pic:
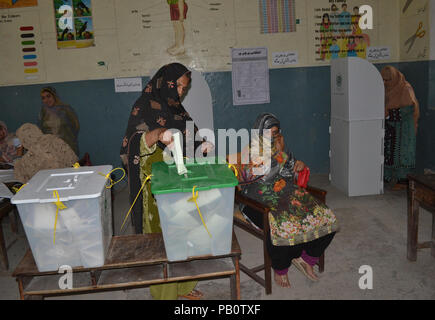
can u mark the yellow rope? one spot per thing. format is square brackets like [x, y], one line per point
[236, 172]
[59, 206]
[19, 189]
[108, 177]
[137, 196]
[193, 199]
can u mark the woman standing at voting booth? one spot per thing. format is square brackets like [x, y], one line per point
[402, 113]
[157, 110]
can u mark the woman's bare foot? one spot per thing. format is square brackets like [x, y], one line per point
[282, 281]
[193, 295]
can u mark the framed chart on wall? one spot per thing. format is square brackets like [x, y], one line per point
[74, 24]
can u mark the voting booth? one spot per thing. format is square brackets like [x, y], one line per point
[357, 127]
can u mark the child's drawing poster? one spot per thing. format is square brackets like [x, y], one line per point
[337, 31]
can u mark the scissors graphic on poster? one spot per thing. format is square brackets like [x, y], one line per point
[418, 34]
[408, 3]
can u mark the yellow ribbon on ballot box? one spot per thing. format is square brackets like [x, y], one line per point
[236, 172]
[59, 206]
[108, 177]
[194, 199]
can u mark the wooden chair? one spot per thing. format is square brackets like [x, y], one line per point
[241, 222]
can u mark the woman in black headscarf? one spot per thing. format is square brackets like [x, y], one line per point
[158, 109]
[300, 226]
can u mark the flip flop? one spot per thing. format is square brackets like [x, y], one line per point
[300, 265]
[193, 295]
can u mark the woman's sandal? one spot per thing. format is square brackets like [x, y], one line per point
[193, 295]
[301, 265]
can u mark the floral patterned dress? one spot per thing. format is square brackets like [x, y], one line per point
[296, 216]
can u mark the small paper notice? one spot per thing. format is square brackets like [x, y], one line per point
[284, 58]
[378, 53]
[128, 85]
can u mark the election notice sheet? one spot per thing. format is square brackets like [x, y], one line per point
[250, 76]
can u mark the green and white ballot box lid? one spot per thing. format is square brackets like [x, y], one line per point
[204, 175]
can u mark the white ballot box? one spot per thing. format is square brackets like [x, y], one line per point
[83, 230]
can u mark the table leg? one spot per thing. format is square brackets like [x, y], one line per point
[413, 207]
[433, 235]
[235, 281]
[3, 252]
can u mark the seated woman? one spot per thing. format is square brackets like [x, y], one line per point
[157, 110]
[301, 227]
[10, 146]
[58, 119]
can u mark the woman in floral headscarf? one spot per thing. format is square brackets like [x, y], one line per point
[402, 113]
[10, 146]
[154, 113]
[301, 228]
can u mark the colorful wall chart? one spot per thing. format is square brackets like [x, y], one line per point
[277, 16]
[337, 32]
[20, 31]
[10, 4]
[74, 23]
[30, 54]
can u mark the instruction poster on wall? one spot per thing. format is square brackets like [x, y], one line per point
[250, 76]
[74, 24]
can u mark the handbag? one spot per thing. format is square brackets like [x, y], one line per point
[303, 177]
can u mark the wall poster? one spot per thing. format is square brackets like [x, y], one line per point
[11, 4]
[337, 31]
[74, 23]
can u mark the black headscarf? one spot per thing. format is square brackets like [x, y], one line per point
[266, 121]
[159, 106]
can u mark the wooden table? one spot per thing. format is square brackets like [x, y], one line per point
[131, 262]
[421, 192]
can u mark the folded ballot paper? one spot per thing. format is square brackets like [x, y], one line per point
[178, 154]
